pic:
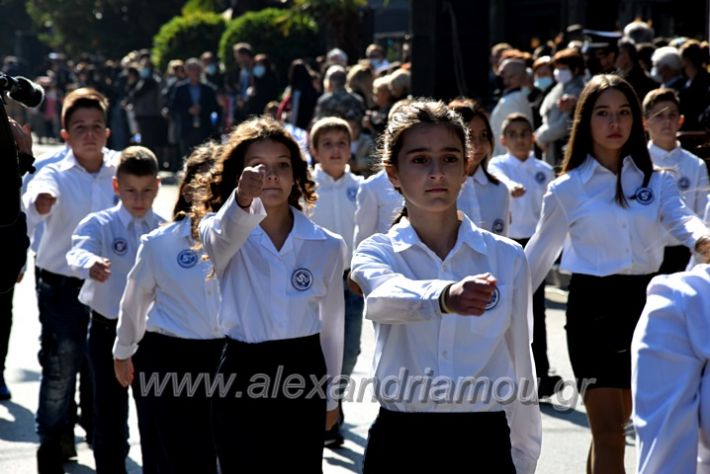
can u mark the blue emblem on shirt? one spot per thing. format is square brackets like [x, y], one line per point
[495, 299]
[120, 246]
[302, 279]
[187, 258]
[498, 226]
[644, 196]
[540, 177]
[352, 193]
[683, 183]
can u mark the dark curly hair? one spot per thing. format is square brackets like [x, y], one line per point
[222, 181]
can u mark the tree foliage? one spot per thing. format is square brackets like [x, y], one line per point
[107, 28]
[187, 36]
[280, 34]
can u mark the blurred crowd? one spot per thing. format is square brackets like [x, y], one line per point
[195, 99]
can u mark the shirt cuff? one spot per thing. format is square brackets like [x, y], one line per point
[233, 212]
[122, 352]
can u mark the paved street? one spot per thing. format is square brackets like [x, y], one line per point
[565, 433]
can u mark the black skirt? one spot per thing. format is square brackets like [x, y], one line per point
[406, 442]
[272, 417]
[602, 313]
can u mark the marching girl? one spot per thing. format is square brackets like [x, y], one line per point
[168, 325]
[282, 304]
[449, 301]
[610, 206]
[484, 198]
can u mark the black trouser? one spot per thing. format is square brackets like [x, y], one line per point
[5, 325]
[110, 399]
[539, 344]
[675, 259]
[404, 442]
[177, 421]
[248, 417]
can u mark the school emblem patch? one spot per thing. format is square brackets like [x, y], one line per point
[352, 193]
[644, 196]
[120, 246]
[540, 177]
[498, 226]
[302, 279]
[495, 299]
[683, 183]
[187, 258]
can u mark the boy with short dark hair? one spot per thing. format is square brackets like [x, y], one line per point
[60, 195]
[104, 247]
[520, 166]
[662, 119]
[335, 210]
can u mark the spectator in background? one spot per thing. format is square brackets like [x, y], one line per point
[244, 56]
[376, 119]
[359, 81]
[337, 101]
[212, 73]
[668, 68]
[558, 106]
[542, 83]
[264, 87]
[193, 106]
[645, 52]
[514, 99]
[628, 67]
[694, 96]
[145, 101]
[300, 96]
[336, 57]
[376, 55]
[638, 32]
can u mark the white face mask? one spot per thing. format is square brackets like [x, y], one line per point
[562, 76]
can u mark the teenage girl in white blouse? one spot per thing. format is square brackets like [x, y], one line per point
[609, 210]
[450, 303]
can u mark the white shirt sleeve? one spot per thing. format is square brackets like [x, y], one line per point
[44, 182]
[680, 221]
[135, 303]
[332, 316]
[390, 297]
[224, 233]
[703, 191]
[365, 215]
[86, 247]
[546, 244]
[523, 413]
[665, 382]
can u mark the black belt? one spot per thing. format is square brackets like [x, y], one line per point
[98, 317]
[55, 279]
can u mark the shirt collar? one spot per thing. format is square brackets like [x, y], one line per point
[403, 236]
[123, 215]
[661, 154]
[591, 166]
[184, 228]
[303, 228]
[320, 174]
[70, 161]
[528, 162]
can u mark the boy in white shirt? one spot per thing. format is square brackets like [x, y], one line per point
[334, 210]
[59, 196]
[662, 120]
[520, 167]
[104, 247]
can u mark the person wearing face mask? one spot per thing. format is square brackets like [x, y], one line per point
[212, 73]
[376, 55]
[542, 82]
[264, 87]
[514, 99]
[558, 106]
[146, 102]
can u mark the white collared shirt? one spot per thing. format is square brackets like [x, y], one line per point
[402, 280]
[335, 208]
[670, 383]
[602, 238]
[690, 174]
[113, 234]
[534, 175]
[78, 194]
[169, 291]
[485, 203]
[377, 205]
[270, 294]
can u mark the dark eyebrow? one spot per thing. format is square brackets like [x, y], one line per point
[425, 149]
